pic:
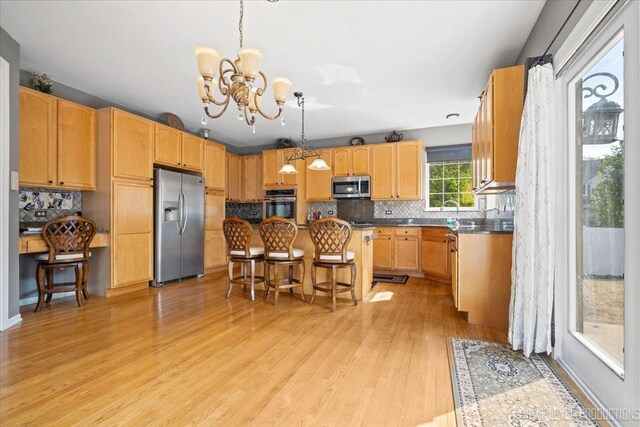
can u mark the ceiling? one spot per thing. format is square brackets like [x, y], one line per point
[364, 66]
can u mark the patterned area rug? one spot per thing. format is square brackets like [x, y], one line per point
[399, 279]
[496, 386]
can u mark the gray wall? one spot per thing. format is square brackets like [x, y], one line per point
[442, 135]
[549, 22]
[10, 51]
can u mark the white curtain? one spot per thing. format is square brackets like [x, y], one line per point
[533, 237]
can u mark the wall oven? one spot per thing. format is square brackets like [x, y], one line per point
[351, 187]
[280, 202]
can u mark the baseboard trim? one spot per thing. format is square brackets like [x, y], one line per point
[11, 322]
[33, 300]
[587, 391]
[124, 290]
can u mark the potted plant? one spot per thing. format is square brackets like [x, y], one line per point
[42, 82]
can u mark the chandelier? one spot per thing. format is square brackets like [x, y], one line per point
[235, 80]
[304, 151]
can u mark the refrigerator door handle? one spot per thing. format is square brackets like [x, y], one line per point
[186, 213]
[180, 212]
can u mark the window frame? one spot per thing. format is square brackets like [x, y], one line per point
[427, 192]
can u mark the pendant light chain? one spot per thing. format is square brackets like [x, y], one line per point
[240, 23]
[301, 103]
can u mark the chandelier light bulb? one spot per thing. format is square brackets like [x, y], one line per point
[282, 120]
[253, 128]
[240, 115]
[204, 120]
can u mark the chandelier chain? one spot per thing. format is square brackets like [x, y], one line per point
[240, 23]
[301, 102]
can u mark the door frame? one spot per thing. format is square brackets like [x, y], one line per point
[595, 378]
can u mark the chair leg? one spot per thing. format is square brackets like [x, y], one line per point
[40, 280]
[85, 277]
[244, 276]
[253, 279]
[334, 279]
[291, 278]
[230, 270]
[78, 285]
[354, 270]
[276, 283]
[313, 282]
[49, 286]
[267, 279]
[301, 272]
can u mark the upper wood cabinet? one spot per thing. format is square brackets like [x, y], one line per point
[351, 161]
[215, 166]
[132, 146]
[178, 149]
[496, 129]
[319, 182]
[272, 161]
[234, 178]
[396, 171]
[252, 182]
[57, 142]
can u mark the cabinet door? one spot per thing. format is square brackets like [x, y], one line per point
[76, 152]
[319, 182]
[383, 252]
[382, 172]
[408, 169]
[454, 273]
[487, 122]
[474, 154]
[360, 161]
[215, 166]
[132, 146]
[215, 252]
[342, 161]
[291, 179]
[435, 257]
[192, 156]
[37, 132]
[259, 187]
[250, 173]
[167, 146]
[406, 252]
[213, 210]
[234, 174]
[132, 230]
[271, 166]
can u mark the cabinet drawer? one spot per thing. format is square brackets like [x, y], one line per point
[35, 246]
[435, 232]
[383, 230]
[406, 231]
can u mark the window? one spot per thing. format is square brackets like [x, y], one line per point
[450, 181]
[449, 174]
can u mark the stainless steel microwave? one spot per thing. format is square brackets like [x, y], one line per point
[351, 187]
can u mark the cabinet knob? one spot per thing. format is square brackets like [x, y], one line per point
[61, 182]
[50, 182]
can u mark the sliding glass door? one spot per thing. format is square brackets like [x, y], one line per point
[597, 287]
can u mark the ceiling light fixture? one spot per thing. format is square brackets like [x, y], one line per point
[235, 79]
[453, 115]
[304, 151]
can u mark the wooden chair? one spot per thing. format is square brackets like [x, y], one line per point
[330, 237]
[278, 235]
[68, 239]
[238, 234]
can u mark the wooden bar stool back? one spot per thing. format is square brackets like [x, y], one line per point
[278, 235]
[330, 237]
[68, 239]
[238, 233]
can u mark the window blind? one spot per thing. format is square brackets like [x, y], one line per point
[449, 153]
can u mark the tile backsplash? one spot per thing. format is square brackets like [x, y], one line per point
[52, 204]
[244, 210]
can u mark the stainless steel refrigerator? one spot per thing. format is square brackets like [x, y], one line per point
[179, 226]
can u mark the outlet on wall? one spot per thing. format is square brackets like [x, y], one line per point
[329, 213]
[388, 212]
[254, 213]
[40, 213]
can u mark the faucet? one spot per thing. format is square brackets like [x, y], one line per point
[457, 219]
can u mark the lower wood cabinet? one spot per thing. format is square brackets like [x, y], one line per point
[396, 248]
[383, 251]
[215, 252]
[436, 253]
[406, 251]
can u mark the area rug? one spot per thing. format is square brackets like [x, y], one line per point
[398, 279]
[496, 386]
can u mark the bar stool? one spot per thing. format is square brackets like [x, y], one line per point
[278, 235]
[330, 237]
[68, 239]
[237, 233]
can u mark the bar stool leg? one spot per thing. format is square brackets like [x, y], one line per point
[49, 286]
[267, 280]
[253, 278]
[230, 270]
[334, 279]
[244, 276]
[291, 278]
[354, 270]
[40, 280]
[301, 272]
[78, 285]
[85, 278]
[313, 282]
[276, 283]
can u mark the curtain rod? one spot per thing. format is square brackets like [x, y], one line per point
[541, 59]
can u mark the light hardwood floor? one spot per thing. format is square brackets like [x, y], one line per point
[185, 354]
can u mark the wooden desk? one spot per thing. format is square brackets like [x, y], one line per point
[34, 243]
